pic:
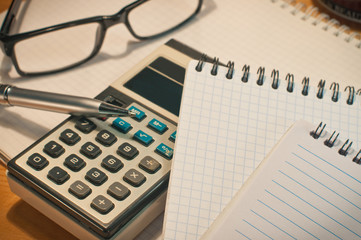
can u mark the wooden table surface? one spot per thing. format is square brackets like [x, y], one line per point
[18, 220]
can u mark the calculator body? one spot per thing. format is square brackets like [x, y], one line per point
[108, 178]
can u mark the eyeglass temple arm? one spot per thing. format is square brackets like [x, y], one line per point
[10, 16]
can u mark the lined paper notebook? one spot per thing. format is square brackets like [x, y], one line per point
[226, 128]
[303, 189]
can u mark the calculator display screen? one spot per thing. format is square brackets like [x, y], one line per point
[161, 83]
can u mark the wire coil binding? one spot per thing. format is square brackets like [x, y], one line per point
[330, 142]
[275, 83]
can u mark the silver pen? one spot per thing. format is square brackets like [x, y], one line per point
[54, 102]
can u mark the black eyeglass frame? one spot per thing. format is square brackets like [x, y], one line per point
[8, 41]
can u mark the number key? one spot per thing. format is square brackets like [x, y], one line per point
[112, 164]
[106, 138]
[53, 149]
[127, 151]
[85, 125]
[96, 176]
[90, 150]
[37, 161]
[69, 137]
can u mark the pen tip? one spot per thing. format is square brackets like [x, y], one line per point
[131, 113]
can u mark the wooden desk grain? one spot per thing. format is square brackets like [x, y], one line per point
[18, 220]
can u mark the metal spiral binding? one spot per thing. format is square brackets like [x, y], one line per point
[317, 133]
[275, 79]
[214, 70]
[230, 66]
[330, 142]
[344, 151]
[351, 95]
[319, 17]
[335, 91]
[245, 70]
[290, 82]
[321, 87]
[201, 61]
[305, 82]
[260, 80]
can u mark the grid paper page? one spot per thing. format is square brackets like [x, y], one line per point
[226, 128]
[301, 190]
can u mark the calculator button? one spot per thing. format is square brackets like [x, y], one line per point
[112, 164]
[58, 175]
[139, 114]
[90, 150]
[75, 163]
[53, 149]
[85, 125]
[69, 137]
[80, 189]
[102, 204]
[143, 138]
[149, 164]
[134, 177]
[121, 125]
[96, 177]
[157, 126]
[164, 150]
[118, 191]
[37, 161]
[173, 136]
[127, 151]
[106, 138]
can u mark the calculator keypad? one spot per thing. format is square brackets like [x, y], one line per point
[103, 166]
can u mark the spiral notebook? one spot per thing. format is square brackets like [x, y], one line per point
[231, 117]
[308, 187]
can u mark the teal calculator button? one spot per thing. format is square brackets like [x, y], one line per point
[142, 137]
[121, 125]
[139, 114]
[164, 150]
[173, 136]
[157, 126]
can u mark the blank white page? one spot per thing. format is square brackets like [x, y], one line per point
[302, 190]
[226, 128]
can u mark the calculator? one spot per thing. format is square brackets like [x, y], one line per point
[107, 178]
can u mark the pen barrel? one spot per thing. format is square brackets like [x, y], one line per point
[52, 102]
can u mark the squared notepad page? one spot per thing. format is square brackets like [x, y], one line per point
[225, 130]
[302, 190]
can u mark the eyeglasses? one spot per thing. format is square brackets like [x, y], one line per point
[67, 45]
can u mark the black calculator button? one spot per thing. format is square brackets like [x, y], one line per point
[53, 149]
[69, 137]
[102, 204]
[149, 164]
[127, 151]
[118, 191]
[90, 150]
[106, 138]
[85, 125]
[96, 177]
[134, 178]
[75, 163]
[112, 163]
[37, 161]
[58, 175]
[80, 189]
